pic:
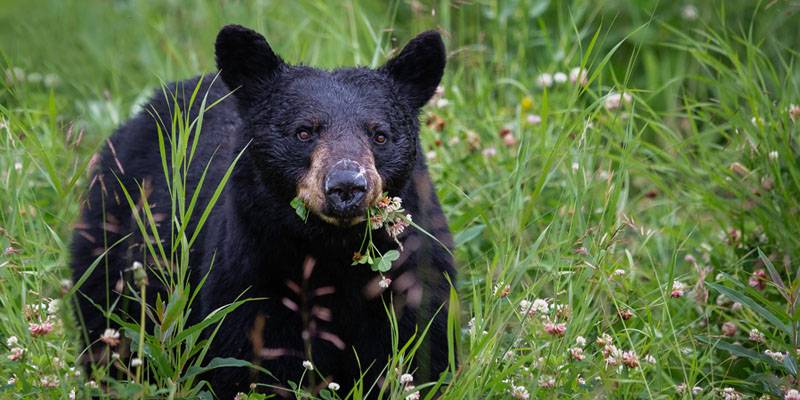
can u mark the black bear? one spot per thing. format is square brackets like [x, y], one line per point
[337, 140]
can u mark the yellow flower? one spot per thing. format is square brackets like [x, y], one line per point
[526, 103]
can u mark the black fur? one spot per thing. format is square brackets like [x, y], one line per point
[258, 244]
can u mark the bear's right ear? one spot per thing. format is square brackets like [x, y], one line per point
[245, 60]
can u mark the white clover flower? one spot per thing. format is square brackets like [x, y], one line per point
[580, 341]
[53, 306]
[773, 155]
[136, 362]
[525, 307]
[615, 100]
[334, 386]
[308, 365]
[578, 75]
[649, 359]
[756, 335]
[794, 112]
[406, 379]
[697, 390]
[559, 77]
[544, 80]
[792, 394]
[12, 341]
[689, 12]
[384, 282]
[534, 119]
[110, 337]
[520, 392]
[775, 355]
[540, 306]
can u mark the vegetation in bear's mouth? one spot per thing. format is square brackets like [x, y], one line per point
[621, 178]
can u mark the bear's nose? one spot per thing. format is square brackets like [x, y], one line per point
[345, 188]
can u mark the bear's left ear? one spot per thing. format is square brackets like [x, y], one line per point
[246, 61]
[418, 68]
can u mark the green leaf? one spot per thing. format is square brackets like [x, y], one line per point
[384, 263]
[299, 208]
[217, 362]
[757, 308]
[468, 234]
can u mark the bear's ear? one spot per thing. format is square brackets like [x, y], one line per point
[245, 60]
[419, 67]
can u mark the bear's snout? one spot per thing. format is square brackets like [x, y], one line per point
[345, 188]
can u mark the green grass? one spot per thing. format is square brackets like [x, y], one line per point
[696, 179]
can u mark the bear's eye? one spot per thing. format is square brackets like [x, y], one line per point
[379, 138]
[304, 135]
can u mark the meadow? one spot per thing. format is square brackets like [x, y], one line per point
[622, 179]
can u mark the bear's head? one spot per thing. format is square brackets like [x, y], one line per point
[336, 139]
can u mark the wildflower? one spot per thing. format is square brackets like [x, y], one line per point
[577, 353]
[110, 337]
[547, 382]
[384, 282]
[540, 306]
[604, 340]
[794, 112]
[12, 380]
[115, 356]
[758, 279]
[739, 169]
[559, 77]
[773, 155]
[578, 75]
[406, 379]
[519, 392]
[334, 386]
[12, 341]
[473, 140]
[612, 355]
[53, 306]
[396, 227]
[630, 359]
[775, 355]
[430, 156]
[680, 388]
[489, 152]
[442, 103]
[728, 329]
[308, 365]
[697, 390]
[534, 119]
[736, 307]
[526, 103]
[509, 355]
[395, 204]
[730, 393]
[92, 384]
[575, 166]
[375, 221]
[544, 80]
[581, 381]
[689, 12]
[40, 329]
[139, 274]
[756, 336]
[626, 314]
[509, 140]
[792, 394]
[16, 353]
[649, 359]
[10, 250]
[555, 329]
[136, 362]
[414, 395]
[49, 381]
[678, 288]
[615, 100]
[563, 311]
[240, 396]
[580, 341]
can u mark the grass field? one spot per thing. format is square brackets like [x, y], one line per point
[627, 230]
